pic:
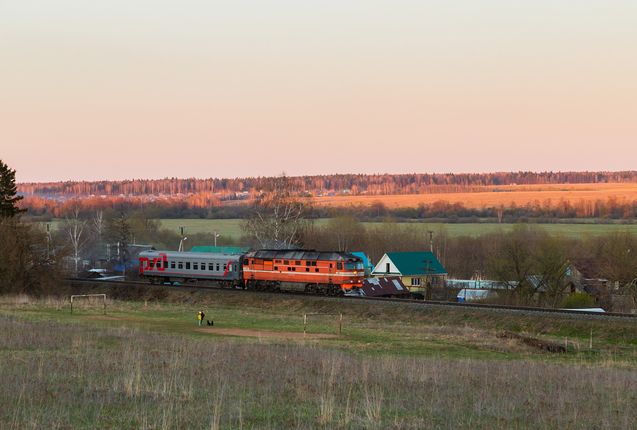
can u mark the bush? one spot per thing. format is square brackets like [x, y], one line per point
[578, 300]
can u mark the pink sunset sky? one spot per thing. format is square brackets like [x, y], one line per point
[149, 89]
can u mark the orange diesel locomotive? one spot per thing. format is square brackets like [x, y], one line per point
[330, 273]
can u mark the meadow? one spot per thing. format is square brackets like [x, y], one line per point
[232, 228]
[146, 364]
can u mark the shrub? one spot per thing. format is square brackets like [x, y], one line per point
[578, 300]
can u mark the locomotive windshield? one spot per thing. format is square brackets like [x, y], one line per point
[354, 266]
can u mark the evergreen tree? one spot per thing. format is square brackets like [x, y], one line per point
[8, 193]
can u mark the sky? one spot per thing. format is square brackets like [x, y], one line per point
[153, 88]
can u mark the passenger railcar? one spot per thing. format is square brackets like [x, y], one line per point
[329, 273]
[170, 266]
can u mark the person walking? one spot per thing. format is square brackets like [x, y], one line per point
[200, 317]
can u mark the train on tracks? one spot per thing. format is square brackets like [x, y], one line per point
[326, 273]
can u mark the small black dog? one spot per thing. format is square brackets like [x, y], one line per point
[210, 322]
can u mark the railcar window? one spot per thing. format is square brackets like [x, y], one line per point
[151, 264]
[180, 265]
[276, 267]
[217, 267]
[224, 267]
[298, 263]
[187, 265]
[211, 266]
[308, 263]
[294, 269]
[286, 262]
[313, 263]
[203, 266]
[316, 269]
[195, 266]
[172, 264]
[307, 269]
[165, 264]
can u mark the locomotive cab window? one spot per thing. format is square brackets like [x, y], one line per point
[339, 266]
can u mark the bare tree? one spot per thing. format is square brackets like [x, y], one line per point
[98, 224]
[74, 227]
[552, 268]
[511, 261]
[278, 218]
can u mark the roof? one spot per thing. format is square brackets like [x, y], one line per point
[416, 263]
[299, 254]
[220, 249]
[382, 287]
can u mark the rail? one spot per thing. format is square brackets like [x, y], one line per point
[378, 299]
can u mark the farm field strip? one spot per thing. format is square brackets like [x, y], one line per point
[494, 196]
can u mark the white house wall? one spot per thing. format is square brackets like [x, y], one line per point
[379, 269]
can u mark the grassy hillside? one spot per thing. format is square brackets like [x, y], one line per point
[147, 365]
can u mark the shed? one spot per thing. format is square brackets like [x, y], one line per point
[384, 287]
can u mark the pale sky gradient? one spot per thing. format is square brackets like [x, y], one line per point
[149, 88]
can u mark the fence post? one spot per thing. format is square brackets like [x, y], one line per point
[590, 342]
[71, 305]
[340, 325]
[304, 323]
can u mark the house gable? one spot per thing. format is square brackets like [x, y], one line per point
[381, 267]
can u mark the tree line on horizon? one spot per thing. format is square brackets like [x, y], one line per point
[354, 184]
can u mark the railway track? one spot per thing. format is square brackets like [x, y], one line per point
[434, 303]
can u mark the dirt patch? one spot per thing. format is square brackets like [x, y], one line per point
[265, 333]
[540, 344]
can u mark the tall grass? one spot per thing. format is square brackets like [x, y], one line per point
[69, 375]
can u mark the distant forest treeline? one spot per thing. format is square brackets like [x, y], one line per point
[355, 184]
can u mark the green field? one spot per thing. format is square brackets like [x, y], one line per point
[146, 364]
[232, 227]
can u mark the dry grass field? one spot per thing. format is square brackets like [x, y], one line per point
[147, 365]
[495, 196]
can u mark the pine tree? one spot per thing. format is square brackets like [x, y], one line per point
[8, 192]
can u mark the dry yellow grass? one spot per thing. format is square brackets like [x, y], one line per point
[495, 196]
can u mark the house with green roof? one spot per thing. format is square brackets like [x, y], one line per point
[417, 270]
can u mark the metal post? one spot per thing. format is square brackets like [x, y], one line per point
[304, 323]
[590, 342]
[48, 240]
[71, 305]
[340, 325]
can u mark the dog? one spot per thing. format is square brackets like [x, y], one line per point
[210, 323]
